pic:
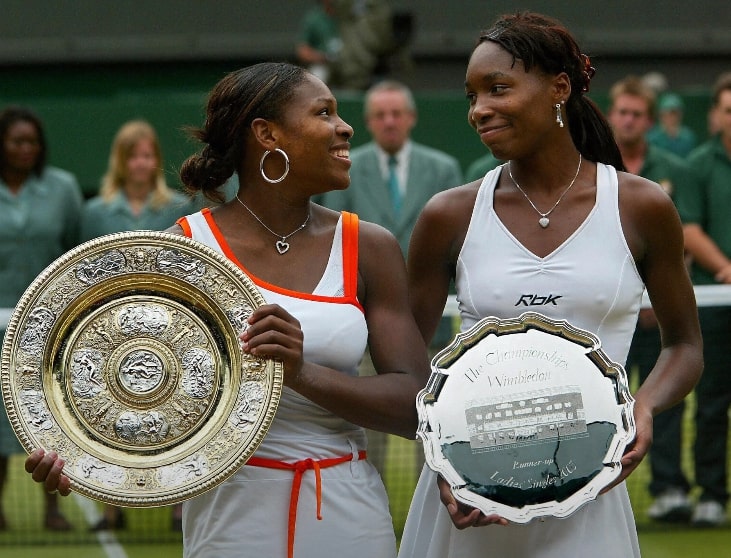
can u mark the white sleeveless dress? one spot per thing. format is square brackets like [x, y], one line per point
[247, 516]
[592, 282]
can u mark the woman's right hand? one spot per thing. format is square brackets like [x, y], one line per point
[272, 332]
[47, 468]
[464, 516]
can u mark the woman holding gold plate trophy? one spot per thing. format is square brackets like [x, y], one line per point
[557, 230]
[331, 284]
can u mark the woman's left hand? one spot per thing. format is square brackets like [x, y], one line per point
[273, 332]
[636, 451]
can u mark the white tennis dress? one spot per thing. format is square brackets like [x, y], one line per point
[250, 515]
[592, 282]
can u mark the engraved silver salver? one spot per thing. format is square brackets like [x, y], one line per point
[123, 356]
[526, 417]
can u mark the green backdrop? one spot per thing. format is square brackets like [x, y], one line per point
[83, 106]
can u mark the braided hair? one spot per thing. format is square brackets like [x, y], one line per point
[258, 91]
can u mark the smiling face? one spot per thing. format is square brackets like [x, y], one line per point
[316, 139]
[512, 110]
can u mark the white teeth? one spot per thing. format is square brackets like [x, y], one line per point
[345, 153]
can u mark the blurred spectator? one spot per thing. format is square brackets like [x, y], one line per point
[41, 206]
[656, 81]
[669, 132]
[705, 213]
[391, 179]
[630, 112]
[343, 41]
[133, 196]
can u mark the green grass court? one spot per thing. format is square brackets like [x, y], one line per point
[149, 534]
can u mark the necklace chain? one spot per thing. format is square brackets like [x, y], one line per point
[544, 220]
[281, 245]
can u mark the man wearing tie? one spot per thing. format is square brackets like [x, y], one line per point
[391, 179]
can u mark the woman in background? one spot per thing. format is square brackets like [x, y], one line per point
[41, 208]
[133, 196]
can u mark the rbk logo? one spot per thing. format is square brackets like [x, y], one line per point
[537, 300]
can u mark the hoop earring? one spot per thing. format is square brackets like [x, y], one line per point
[559, 118]
[286, 166]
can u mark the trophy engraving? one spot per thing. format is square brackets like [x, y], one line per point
[91, 468]
[93, 270]
[123, 356]
[142, 319]
[141, 372]
[36, 410]
[248, 404]
[526, 417]
[197, 373]
[87, 379]
[40, 322]
[175, 263]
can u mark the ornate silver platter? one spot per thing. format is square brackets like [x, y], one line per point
[526, 417]
[123, 356]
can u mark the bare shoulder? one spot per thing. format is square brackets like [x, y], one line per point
[648, 214]
[374, 238]
[451, 204]
[640, 198]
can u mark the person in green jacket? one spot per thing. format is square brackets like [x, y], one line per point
[707, 227]
[134, 194]
[41, 206]
[632, 106]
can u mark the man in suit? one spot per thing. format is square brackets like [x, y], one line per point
[391, 179]
[420, 171]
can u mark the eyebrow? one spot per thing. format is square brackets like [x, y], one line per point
[492, 76]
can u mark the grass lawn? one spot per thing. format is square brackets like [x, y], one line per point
[148, 533]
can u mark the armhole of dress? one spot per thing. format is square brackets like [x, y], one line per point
[183, 223]
[350, 255]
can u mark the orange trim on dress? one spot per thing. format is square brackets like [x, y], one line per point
[299, 469]
[350, 255]
[350, 263]
[183, 222]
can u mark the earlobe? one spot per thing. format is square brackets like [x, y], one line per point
[562, 88]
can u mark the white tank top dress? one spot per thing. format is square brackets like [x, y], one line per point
[592, 282]
[270, 506]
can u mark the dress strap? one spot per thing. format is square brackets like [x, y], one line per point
[299, 469]
[350, 255]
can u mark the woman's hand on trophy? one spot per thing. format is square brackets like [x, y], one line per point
[464, 516]
[47, 468]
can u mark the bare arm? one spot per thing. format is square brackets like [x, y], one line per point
[384, 402]
[655, 235]
[435, 245]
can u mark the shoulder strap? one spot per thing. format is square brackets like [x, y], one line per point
[350, 254]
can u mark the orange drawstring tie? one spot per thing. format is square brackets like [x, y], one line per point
[299, 469]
